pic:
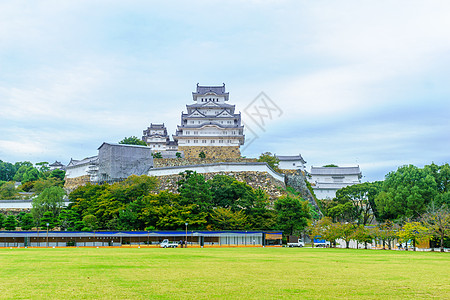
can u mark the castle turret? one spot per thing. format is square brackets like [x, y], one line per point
[210, 125]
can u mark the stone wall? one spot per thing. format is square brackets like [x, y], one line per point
[263, 180]
[13, 211]
[73, 183]
[297, 181]
[176, 162]
[211, 152]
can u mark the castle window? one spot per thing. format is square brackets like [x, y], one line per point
[213, 141]
[188, 141]
[229, 141]
[220, 141]
[204, 141]
[195, 141]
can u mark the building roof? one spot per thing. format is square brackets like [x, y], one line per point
[87, 160]
[218, 90]
[121, 145]
[56, 164]
[157, 126]
[291, 158]
[335, 171]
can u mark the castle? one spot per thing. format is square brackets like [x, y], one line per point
[210, 126]
[207, 140]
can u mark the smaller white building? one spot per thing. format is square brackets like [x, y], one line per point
[325, 181]
[157, 138]
[293, 162]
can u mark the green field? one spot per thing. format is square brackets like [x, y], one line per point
[222, 273]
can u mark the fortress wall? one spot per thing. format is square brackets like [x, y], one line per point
[274, 188]
[175, 162]
[211, 152]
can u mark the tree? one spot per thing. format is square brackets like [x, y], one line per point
[7, 171]
[412, 231]
[58, 174]
[26, 221]
[178, 155]
[51, 199]
[67, 219]
[321, 229]
[362, 198]
[132, 140]
[202, 155]
[43, 166]
[293, 214]
[195, 190]
[8, 191]
[437, 222]
[10, 223]
[90, 222]
[270, 159]
[331, 166]
[157, 155]
[362, 234]
[48, 218]
[225, 219]
[2, 220]
[345, 232]
[405, 193]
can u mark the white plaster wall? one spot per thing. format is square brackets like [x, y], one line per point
[77, 171]
[289, 165]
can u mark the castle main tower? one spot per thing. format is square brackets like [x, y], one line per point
[210, 126]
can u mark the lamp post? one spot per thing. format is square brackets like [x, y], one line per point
[47, 235]
[186, 233]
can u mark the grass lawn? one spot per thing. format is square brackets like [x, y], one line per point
[266, 273]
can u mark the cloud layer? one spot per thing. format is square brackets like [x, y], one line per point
[357, 82]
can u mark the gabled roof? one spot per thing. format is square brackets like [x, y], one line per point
[87, 160]
[56, 164]
[194, 112]
[217, 90]
[291, 158]
[224, 113]
[335, 171]
[121, 145]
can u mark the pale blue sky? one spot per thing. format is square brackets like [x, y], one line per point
[357, 82]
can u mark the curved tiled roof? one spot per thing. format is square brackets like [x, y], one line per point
[335, 171]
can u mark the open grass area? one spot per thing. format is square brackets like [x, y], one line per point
[266, 273]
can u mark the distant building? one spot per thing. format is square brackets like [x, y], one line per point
[157, 138]
[294, 162]
[325, 181]
[210, 125]
[56, 165]
[114, 162]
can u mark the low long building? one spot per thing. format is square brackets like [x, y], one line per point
[326, 181]
[138, 238]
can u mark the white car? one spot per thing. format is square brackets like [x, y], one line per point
[166, 244]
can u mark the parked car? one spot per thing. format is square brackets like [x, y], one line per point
[166, 244]
[299, 243]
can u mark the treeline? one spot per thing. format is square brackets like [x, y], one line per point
[410, 203]
[33, 178]
[221, 203]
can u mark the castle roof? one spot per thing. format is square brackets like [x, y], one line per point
[335, 171]
[203, 90]
[291, 158]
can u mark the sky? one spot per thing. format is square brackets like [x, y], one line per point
[346, 82]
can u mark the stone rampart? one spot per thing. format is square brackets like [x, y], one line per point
[274, 188]
[73, 183]
[176, 162]
[211, 152]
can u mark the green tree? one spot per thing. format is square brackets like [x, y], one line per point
[345, 232]
[10, 223]
[270, 159]
[412, 231]
[293, 214]
[331, 166]
[90, 222]
[26, 221]
[67, 219]
[48, 218]
[42, 166]
[8, 191]
[132, 140]
[157, 155]
[226, 219]
[7, 171]
[406, 193]
[437, 222]
[361, 234]
[202, 155]
[58, 174]
[195, 190]
[50, 200]
[2, 220]
[178, 155]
